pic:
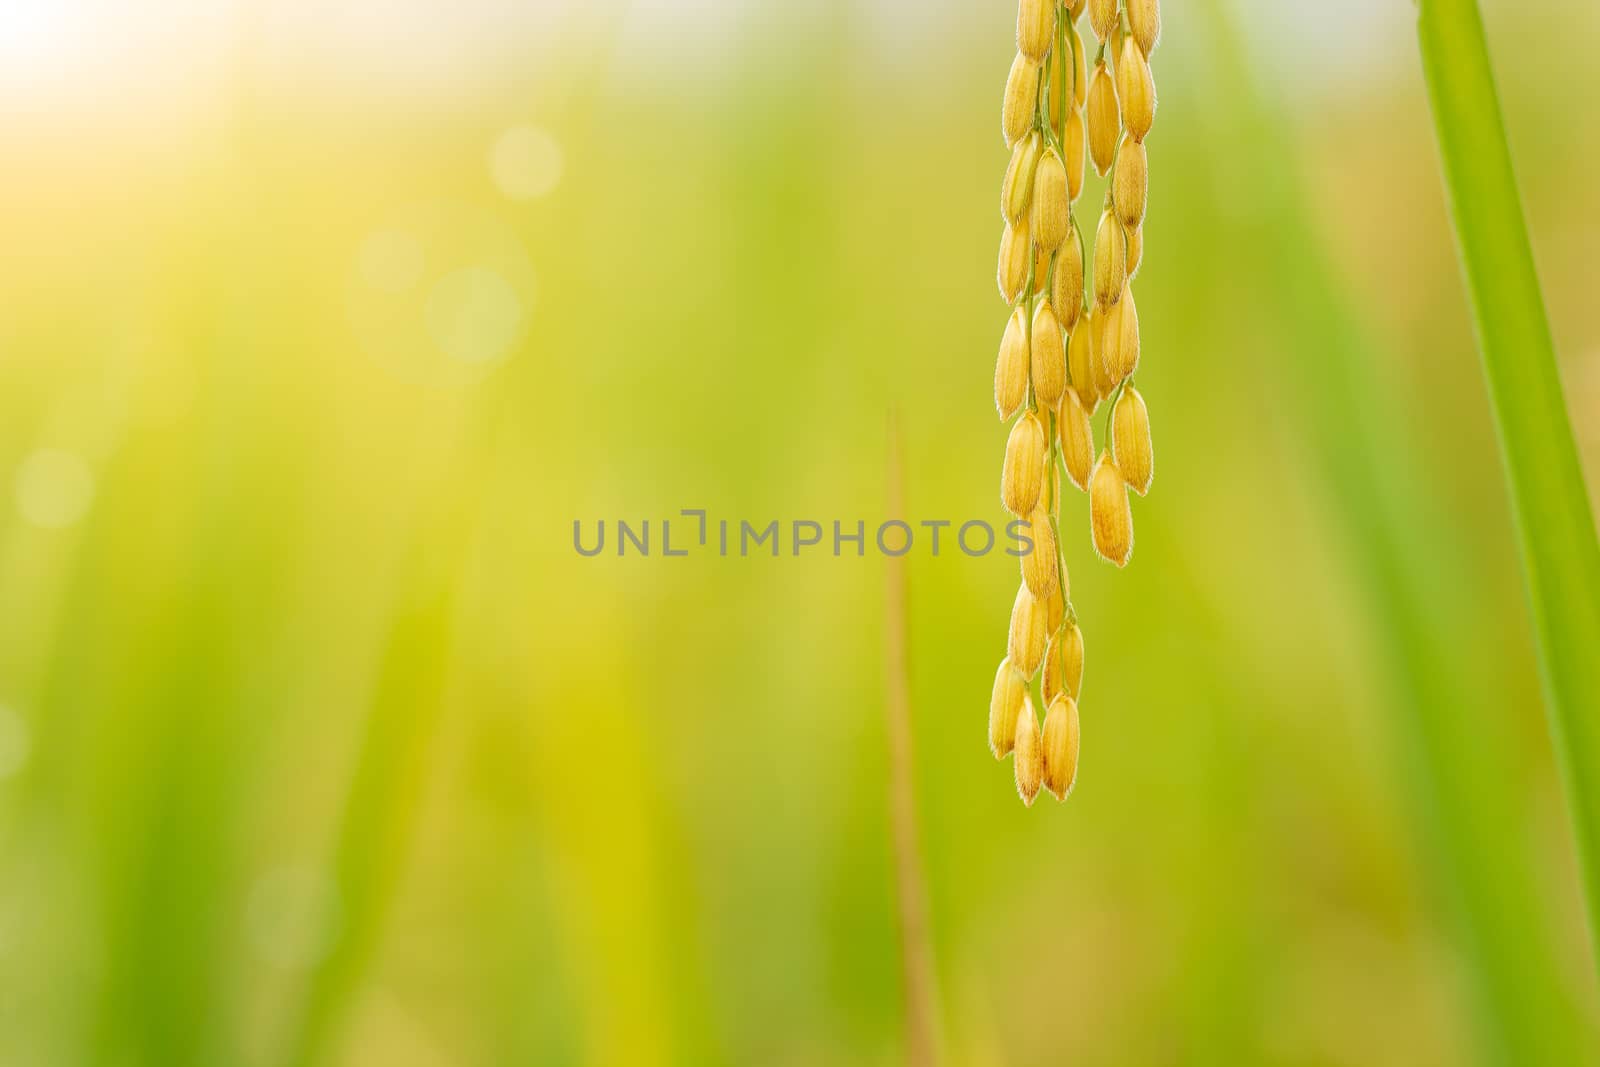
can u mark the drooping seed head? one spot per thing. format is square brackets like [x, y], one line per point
[1022, 479]
[1103, 17]
[1016, 192]
[1039, 565]
[1049, 356]
[1131, 446]
[1080, 363]
[1016, 248]
[1103, 118]
[1130, 184]
[1005, 704]
[1110, 260]
[1066, 288]
[1077, 439]
[1059, 747]
[1122, 359]
[1036, 28]
[1110, 514]
[1028, 755]
[1011, 367]
[1136, 88]
[1022, 92]
[1026, 639]
[1051, 206]
[1144, 19]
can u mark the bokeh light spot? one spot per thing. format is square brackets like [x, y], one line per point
[54, 488]
[391, 261]
[526, 162]
[474, 315]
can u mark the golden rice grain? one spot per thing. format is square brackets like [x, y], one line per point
[1011, 367]
[1049, 357]
[1110, 260]
[1136, 89]
[1022, 477]
[1059, 747]
[1077, 439]
[1110, 515]
[1026, 639]
[1144, 20]
[1080, 362]
[1005, 704]
[1130, 183]
[1051, 207]
[1036, 28]
[1103, 17]
[1015, 250]
[1016, 192]
[1123, 357]
[1103, 118]
[1022, 92]
[1066, 288]
[1039, 565]
[1027, 755]
[1131, 446]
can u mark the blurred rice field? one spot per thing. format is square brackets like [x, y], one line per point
[320, 745]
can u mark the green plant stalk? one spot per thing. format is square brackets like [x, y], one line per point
[1416, 586]
[1555, 526]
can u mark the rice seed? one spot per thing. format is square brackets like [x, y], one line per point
[1103, 118]
[1073, 141]
[1015, 247]
[1130, 183]
[1005, 704]
[1077, 439]
[1103, 17]
[1074, 9]
[1022, 92]
[1039, 565]
[1066, 287]
[1135, 250]
[1136, 89]
[1144, 20]
[1027, 755]
[1011, 368]
[1110, 514]
[1049, 363]
[1123, 357]
[1022, 478]
[1025, 641]
[1051, 206]
[1110, 260]
[1063, 663]
[1059, 747]
[1131, 446]
[1036, 28]
[1016, 191]
[1107, 335]
[1080, 362]
[1055, 606]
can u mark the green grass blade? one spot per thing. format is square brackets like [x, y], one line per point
[1555, 526]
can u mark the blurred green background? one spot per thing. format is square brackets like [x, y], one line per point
[319, 744]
